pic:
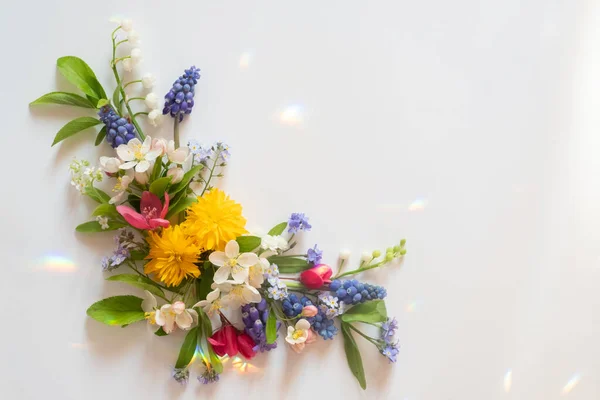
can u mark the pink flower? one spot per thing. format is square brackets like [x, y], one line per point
[309, 311]
[315, 277]
[246, 346]
[225, 341]
[153, 212]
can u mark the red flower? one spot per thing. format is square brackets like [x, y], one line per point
[315, 277]
[225, 341]
[246, 346]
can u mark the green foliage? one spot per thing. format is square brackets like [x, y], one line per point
[138, 281]
[185, 181]
[160, 332]
[137, 255]
[289, 265]
[271, 328]
[368, 312]
[188, 349]
[106, 210]
[181, 205]
[94, 226]
[159, 186]
[117, 310]
[278, 229]
[101, 136]
[76, 71]
[203, 283]
[353, 356]
[206, 325]
[64, 98]
[117, 101]
[102, 103]
[248, 243]
[75, 126]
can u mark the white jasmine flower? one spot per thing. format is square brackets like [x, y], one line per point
[103, 221]
[274, 243]
[155, 117]
[232, 262]
[238, 294]
[121, 189]
[127, 65]
[170, 315]
[151, 101]
[137, 154]
[148, 81]
[149, 306]
[298, 333]
[133, 38]
[110, 164]
[212, 303]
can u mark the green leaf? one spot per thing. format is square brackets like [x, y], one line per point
[94, 226]
[134, 201]
[97, 194]
[185, 181]
[138, 281]
[160, 332]
[102, 103]
[137, 255]
[271, 329]
[75, 126]
[369, 312]
[206, 325]
[106, 210]
[188, 348]
[248, 243]
[159, 186]
[156, 170]
[117, 310]
[116, 98]
[101, 136]
[181, 205]
[278, 229]
[81, 75]
[353, 356]
[203, 283]
[64, 98]
[289, 265]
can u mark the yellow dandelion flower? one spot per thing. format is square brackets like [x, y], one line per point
[214, 220]
[172, 254]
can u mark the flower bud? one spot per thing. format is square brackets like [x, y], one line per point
[309, 311]
[376, 253]
[151, 101]
[315, 277]
[402, 242]
[176, 174]
[366, 257]
[148, 81]
[344, 254]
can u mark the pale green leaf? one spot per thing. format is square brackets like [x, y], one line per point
[289, 265]
[185, 181]
[106, 210]
[271, 328]
[64, 98]
[181, 205]
[94, 226]
[369, 312]
[159, 186]
[353, 356]
[75, 126]
[278, 229]
[81, 75]
[117, 310]
[101, 136]
[138, 281]
[188, 349]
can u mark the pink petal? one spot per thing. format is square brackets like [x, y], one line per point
[150, 201]
[166, 206]
[156, 222]
[134, 218]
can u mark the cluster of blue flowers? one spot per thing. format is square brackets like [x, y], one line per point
[277, 289]
[321, 323]
[180, 99]
[255, 320]
[292, 305]
[314, 255]
[298, 221]
[390, 348]
[353, 291]
[118, 130]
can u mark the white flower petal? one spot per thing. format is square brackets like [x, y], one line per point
[240, 275]
[212, 296]
[247, 259]
[184, 320]
[218, 258]
[125, 152]
[232, 249]
[142, 166]
[303, 325]
[251, 295]
[146, 145]
[149, 303]
[222, 274]
[128, 165]
[178, 307]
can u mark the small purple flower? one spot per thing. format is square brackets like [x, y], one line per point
[388, 330]
[223, 150]
[390, 352]
[117, 258]
[314, 255]
[298, 221]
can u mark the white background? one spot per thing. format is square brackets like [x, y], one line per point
[469, 127]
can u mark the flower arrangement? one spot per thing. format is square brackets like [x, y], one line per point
[184, 242]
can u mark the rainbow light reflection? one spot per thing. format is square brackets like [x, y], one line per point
[56, 263]
[292, 115]
[575, 379]
[412, 306]
[508, 380]
[240, 364]
[418, 205]
[245, 60]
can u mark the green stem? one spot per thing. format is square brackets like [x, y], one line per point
[292, 255]
[363, 269]
[211, 173]
[370, 339]
[140, 274]
[141, 113]
[176, 131]
[131, 83]
[122, 41]
[135, 98]
[122, 90]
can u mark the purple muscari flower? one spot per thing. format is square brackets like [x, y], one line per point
[118, 129]
[388, 330]
[314, 255]
[180, 99]
[390, 352]
[181, 375]
[298, 221]
[255, 317]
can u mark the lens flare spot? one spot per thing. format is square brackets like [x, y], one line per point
[292, 115]
[245, 60]
[574, 381]
[508, 381]
[78, 345]
[412, 306]
[418, 205]
[56, 263]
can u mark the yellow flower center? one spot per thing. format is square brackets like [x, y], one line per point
[232, 262]
[151, 317]
[298, 333]
[137, 152]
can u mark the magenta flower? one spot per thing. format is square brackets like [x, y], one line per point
[153, 212]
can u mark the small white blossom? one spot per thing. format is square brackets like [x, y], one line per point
[176, 174]
[121, 189]
[126, 24]
[136, 56]
[148, 81]
[137, 154]
[344, 254]
[151, 101]
[133, 38]
[103, 221]
[127, 65]
[155, 117]
[232, 262]
[366, 257]
[274, 243]
[212, 303]
[110, 164]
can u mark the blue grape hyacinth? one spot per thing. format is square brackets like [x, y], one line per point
[353, 291]
[292, 307]
[118, 129]
[180, 99]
